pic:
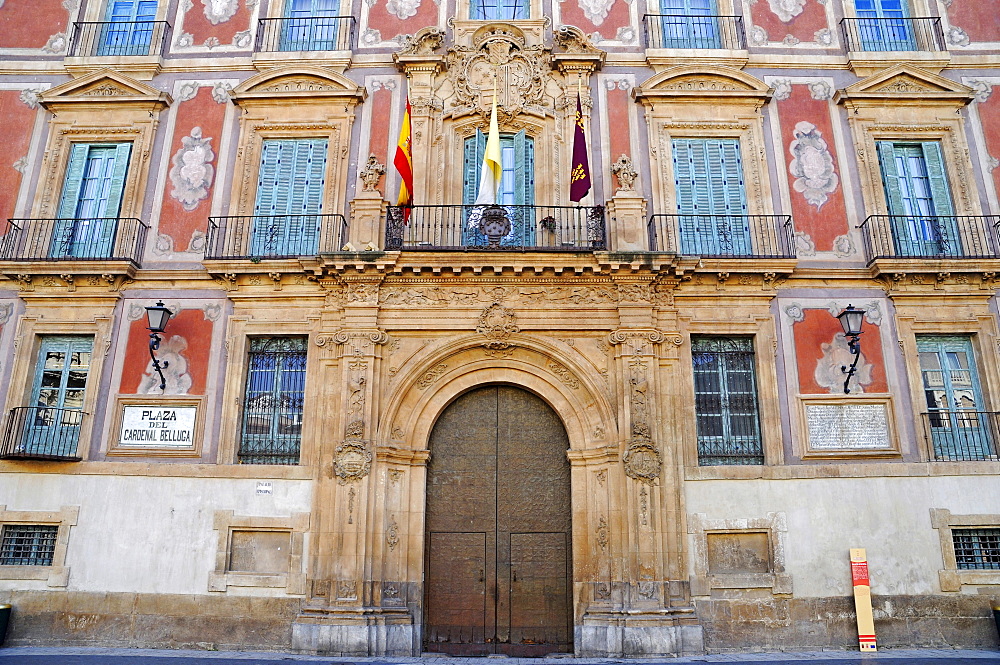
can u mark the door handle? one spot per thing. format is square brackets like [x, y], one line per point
[513, 574]
[482, 576]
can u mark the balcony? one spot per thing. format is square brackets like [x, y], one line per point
[42, 433]
[305, 33]
[516, 228]
[876, 43]
[723, 236]
[272, 237]
[959, 436]
[675, 39]
[893, 241]
[676, 31]
[116, 39]
[80, 242]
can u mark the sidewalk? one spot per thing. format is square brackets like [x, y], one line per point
[99, 656]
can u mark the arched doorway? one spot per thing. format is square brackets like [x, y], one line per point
[498, 528]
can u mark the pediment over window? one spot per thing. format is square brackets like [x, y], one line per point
[699, 82]
[301, 84]
[905, 84]
[105, 87]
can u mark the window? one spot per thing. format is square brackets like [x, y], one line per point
[916, 190]
[725, 393]
[689, 24]
[977, 549]
[711, 201]
[884, 25]
[498, 10]
[289, 197]
[50, 427]
[128, 28]
[517, 186]
[311, 25]
[91, 201]
[272, 409]
[28, 544]
[959, 427]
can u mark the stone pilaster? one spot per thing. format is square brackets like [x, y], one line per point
[367, 214]
[627, 222]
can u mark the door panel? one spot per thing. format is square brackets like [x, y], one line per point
[498, 469]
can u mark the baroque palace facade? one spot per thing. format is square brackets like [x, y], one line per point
[618, 427]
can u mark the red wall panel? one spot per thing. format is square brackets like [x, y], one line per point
[803, 27]
[190, 324]
[15, 135]
[30, 23]
[202, 29]
[819, 327]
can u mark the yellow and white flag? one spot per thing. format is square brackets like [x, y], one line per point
[489, 177]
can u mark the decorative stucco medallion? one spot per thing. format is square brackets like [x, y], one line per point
[812, 165]
[596, 10]
[352, 461]
[192, 170]
[402, 9]
[786, 10]
[220, 11]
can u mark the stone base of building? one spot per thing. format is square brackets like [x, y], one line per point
[958, 621]
[151, 621]
[668, 632]
[355, 632]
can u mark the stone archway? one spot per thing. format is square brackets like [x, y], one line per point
[498, 527]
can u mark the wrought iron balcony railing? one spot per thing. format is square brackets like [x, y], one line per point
[508, 227]
[957, 436]
[42, 432]
[700, 32]
[274, 236]
[118, 38]
[85, 239]
[305, 33]
[930, 237]
[723, 236]
[893, 34]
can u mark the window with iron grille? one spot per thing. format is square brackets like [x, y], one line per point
[977, 549]
[725, 393]
[272, 409]
[28, 544]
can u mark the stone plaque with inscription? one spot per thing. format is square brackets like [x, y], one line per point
[848, 426]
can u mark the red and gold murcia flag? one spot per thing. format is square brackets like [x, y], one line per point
[579, 179]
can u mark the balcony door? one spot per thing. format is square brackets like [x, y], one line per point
[711, 198]
[498, 559]
[52, 423]
[883, 25]
[516, 192]
[916, 190]
[289, 198]
[128, 27]
[959, 426]
[690, 24]
[310, 25]
[91, 201]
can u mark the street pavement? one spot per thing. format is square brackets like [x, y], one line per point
[98, 656]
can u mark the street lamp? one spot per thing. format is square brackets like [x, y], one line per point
[158, 315]
[851, 319]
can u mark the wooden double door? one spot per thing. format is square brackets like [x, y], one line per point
[498, 559]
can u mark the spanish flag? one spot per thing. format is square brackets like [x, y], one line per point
[403, 161]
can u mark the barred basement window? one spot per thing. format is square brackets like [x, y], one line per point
[272, 408]
[725, 393]
[977, 549]
[28, 545]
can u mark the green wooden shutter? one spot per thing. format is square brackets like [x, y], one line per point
[890, 177]
[524, 169]
[475, 149]
[937, 175]
[73, 181]
[122, 153]
[60, 383]
[289, 197]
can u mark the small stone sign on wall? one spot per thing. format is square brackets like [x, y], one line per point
[157, 427]
[855, 428]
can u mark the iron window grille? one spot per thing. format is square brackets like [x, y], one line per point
[725, 392]
[977, 549]
[272, 409]
[28, 544]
